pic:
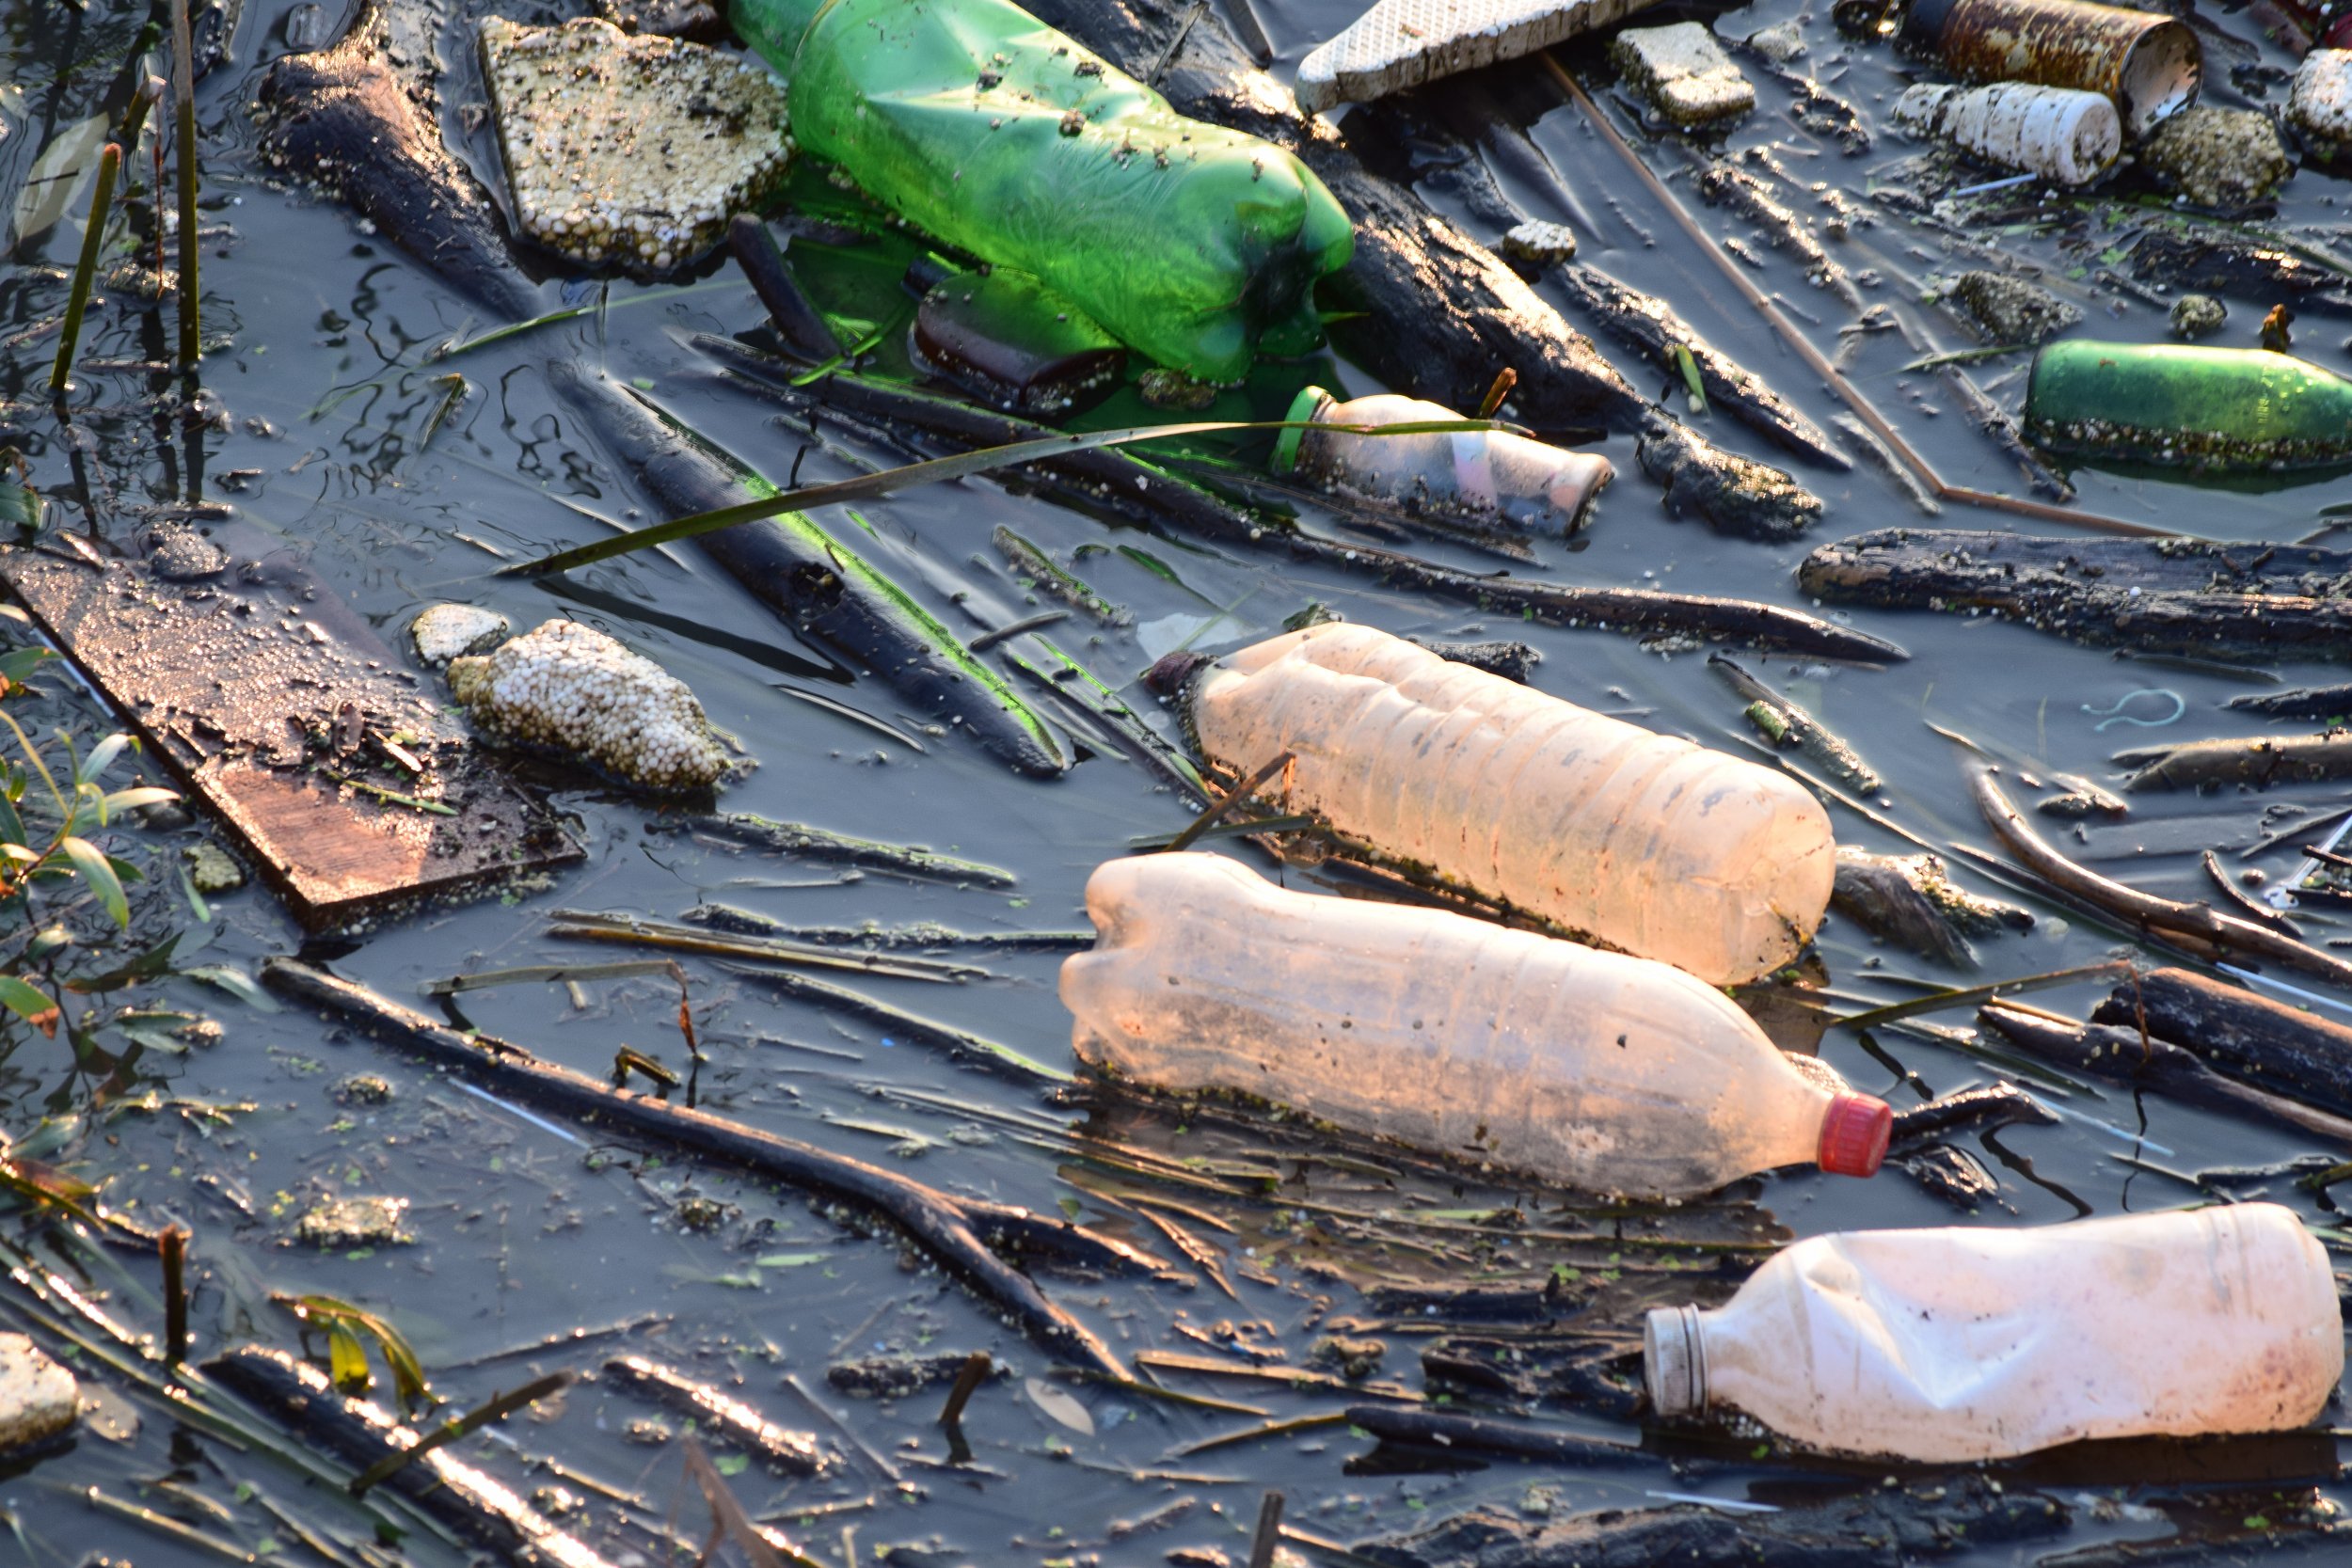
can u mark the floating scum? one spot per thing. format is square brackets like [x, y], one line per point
[1196, 244]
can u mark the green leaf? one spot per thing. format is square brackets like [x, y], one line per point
[347, 1360]
[100, 873]
[102, 757]
[131, 799]
[731, 1465]
[236, 982]
[21, 505]
[15, 666]
[27, 1003]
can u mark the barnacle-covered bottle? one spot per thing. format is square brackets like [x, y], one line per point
[2061, 135]
[2147, 64]
[1483, 479]
[973, 119]
[1644, 842]
[2218, 408]
[1584, 1068]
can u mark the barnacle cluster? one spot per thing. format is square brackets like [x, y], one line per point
[573, 690]
[633, 150]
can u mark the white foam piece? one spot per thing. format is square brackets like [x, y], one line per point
[2320, 104]
[1402, 43]
[1683, 70]
[38, 1397]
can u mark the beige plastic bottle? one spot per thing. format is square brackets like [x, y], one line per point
[1947, 1345]
[1645, 843]
[1584, 1068]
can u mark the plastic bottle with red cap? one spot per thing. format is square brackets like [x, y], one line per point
[1589, 1068]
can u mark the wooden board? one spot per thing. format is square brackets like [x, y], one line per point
[274, 703]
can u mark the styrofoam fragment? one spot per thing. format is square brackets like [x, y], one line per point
[2063, 135]
[1683, 70]
[447, 631]
[572, 689]
[1402, 43]
[2320, 103]
[1542, 243]
[630, 150]
[38, 1397]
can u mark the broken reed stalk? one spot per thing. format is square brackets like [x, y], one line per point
[150, 93]
[2221, 933]
[1815, 361]
[969, 1377]
[173, 1245]
[947, 1227]
[86, 270]
[1224, 803]
[184, 92]
[500, 1406]
[1269, 1532]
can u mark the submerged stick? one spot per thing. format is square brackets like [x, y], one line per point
[960, 1044]
[2106, 1050]
[497, 1407]
[944, 1226]
[2223, 933]
[728, 1420]
[184, 92]
[800, 325]
[359, 1433]
[93, 239]
[1783, 723]
[820, 844]
[2260, 761]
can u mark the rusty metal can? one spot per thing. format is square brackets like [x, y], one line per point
[2148, 63]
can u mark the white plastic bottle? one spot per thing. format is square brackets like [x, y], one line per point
[1584, 1068]
[2065, 136]
[1488, 480]
[1644, 842]
[1949, 1345]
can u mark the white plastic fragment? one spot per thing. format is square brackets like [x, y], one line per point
[1683, 70]
[634, 150]
[1540, 243]
[572, 689]
[1402, 43]
[2320, 103]
[2063, 135]
[447, 631]
[38, 1397]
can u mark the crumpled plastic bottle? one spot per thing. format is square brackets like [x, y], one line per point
[1193, 244]
[1958, 1344]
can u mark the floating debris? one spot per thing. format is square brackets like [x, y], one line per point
[1513, 662]
[634, 150]
[575, 690]
[2148, 65]
[1911, 900]
[1731, 494]
[2081, 798]
[1048, 576]
[2256, 763]
[1683, 70]
[2196, 316]
[2008, 310]
[38, 1398]
[1015, 344]
[2069, 138]
[2209, 408]
[1539, 244]
[1783, 723]
[356, 1222]
[726, 1419]
[2331, 703]
[2202, 256]
[1402, 43]
[2222, 158]
[446, 631]
[2319, 105]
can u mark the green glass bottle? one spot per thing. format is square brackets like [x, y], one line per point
[976, 123]
[2167, 403]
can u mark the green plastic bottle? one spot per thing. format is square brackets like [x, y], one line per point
[2169, 403]
[973, 120]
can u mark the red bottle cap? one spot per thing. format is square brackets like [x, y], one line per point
[1855, 1135]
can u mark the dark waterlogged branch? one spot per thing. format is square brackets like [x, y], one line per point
[942, 1225]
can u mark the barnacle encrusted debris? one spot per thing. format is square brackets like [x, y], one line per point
[573, 690]
[631, 151]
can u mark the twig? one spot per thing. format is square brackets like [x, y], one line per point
[173, 1245]
[2223, 933]
[2253, 909]
[1224, 803]
[943, 1226]
[1269, 1532]
[500, 1405]
[974, 1371]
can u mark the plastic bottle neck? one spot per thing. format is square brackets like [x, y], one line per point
[1673, 1360]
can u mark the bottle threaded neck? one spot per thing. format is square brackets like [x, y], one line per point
[1673, 1360]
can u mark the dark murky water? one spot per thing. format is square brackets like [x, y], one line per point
[528, 1229]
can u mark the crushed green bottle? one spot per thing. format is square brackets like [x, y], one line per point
[2216, 409]
[1192, 244]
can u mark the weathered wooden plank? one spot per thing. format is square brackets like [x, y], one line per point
[274, 703]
